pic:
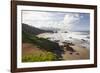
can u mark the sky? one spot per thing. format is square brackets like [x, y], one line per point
[70, 21]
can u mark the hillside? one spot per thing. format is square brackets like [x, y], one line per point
[32, 30]
[51, 49]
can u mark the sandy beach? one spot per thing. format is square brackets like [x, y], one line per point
[80, 53]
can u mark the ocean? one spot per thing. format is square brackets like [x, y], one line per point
[81, 38]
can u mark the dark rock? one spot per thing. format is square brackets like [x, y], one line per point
[77, 53]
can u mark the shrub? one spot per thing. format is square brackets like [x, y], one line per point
[39, 56]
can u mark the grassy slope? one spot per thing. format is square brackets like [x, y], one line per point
[40, 42]
[45, 45]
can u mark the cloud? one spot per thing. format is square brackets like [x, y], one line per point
[40, 19]
[70, 19]
[34, 15]
[64, 21]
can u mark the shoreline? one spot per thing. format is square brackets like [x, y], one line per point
[79, 53]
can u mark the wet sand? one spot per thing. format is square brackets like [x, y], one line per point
[79, 54]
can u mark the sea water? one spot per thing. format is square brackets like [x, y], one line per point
[80, 37]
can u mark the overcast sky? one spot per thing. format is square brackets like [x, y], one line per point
[62, 20]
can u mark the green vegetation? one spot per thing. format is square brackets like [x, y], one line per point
[40, 42]
[46, 52]
[39, 56]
